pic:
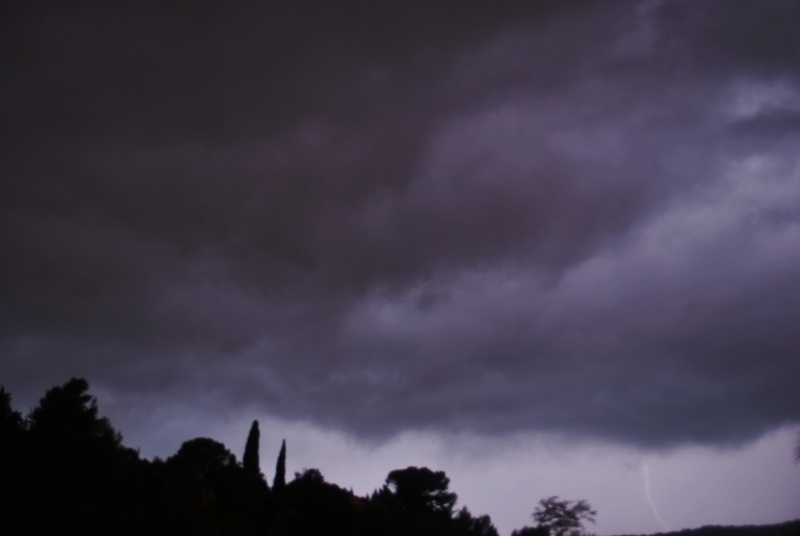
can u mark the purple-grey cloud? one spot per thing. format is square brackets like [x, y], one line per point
[578, 219]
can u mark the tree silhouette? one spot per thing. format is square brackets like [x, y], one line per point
[203, 455]
[80, 477]
[561, 517]
[250, 460]
[69, 413]
[475, 526]
[279, 482]
[313, 506]
[531, 531]
[14, 458]
[11, 422]
[420, 490]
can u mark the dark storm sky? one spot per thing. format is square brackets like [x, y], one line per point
[570, 217]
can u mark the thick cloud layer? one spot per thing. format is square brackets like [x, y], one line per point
[580, 219]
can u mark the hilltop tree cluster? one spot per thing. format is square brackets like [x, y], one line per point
[66, 471]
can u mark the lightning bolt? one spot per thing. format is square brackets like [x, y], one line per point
[646, 471]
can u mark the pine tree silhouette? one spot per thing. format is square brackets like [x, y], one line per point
[279, 482]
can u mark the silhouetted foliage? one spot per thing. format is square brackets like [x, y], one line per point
[209, 492]
[561, 517]
[250, 459]
[12, 433]
[10, 420]
[14, 458]
[422, 490]
[68, 473]
[279, 481]
[313, 506]
[789, 528]
[79, 476]
[475, 526]
[204, 456]
[69, 413]
[531, 531]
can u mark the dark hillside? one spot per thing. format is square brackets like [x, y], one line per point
[65, 470]
[789, 528]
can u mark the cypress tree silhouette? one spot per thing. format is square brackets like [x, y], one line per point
[279, 482]
[250, 458]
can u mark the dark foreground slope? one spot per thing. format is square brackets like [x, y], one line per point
[789, 528]
[64, 470]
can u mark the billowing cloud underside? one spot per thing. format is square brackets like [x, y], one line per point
[579, 219]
